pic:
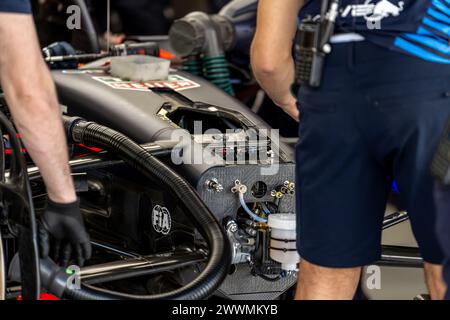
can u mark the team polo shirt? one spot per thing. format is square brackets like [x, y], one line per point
[15, 6]
[417, 27]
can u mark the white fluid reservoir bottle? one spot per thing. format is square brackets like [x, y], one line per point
[283, 237]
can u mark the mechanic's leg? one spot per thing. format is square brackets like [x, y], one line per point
[341, 201]
[320, 283]
[341, 189]
[442, 198]
[419, 125]
[435, 281]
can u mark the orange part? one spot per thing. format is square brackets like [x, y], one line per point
[166, 54]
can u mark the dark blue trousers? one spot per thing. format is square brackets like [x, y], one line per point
[377, 117]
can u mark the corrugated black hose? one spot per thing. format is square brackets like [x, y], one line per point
[219, 259]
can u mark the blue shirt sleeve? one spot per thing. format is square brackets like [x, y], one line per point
[15, 6]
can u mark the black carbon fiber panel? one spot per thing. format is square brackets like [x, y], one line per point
[227, 203]
[242, 285]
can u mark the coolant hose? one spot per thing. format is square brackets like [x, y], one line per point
[219, 260]
[216, 71]
[193, 65]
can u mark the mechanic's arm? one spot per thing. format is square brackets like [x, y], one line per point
[31, 97]
[30, 93]
[271, 52]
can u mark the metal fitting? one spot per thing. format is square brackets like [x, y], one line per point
[239, 187]
[214, 185]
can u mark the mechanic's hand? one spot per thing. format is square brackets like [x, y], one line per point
[64, 224]
[291, 109]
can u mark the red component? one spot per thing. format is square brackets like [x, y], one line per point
[43, 296]
[48, 297]
[166, 54]
[9, 151]
[93, 149]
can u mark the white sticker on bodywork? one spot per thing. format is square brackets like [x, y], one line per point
[174, 82]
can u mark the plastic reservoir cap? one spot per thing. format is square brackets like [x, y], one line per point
[140, 68]
[283, 221]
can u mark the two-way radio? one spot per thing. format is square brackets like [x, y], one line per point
[312, 45]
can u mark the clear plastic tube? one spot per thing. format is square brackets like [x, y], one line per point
[253, 215]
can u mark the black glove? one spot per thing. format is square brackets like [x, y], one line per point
[64, 224]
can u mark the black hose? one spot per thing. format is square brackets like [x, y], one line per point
[219, 260]
[18, 185]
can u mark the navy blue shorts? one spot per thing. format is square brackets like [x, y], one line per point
[15, 6]
[442, 196]
[377, 117]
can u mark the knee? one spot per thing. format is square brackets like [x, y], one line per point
[318, 282]
[313, 271]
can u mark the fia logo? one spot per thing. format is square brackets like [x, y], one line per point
[161, 220]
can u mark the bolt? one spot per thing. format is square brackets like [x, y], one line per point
[214, 185]
[279, 195]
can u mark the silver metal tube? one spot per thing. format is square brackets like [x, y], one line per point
[97, 159]
[115, 250]
[401, 258]
[145, 265]
[395, 219]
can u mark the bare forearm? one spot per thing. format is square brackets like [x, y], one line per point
[39, 122]
[272, 61]
[31, 97]
[276, 81]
